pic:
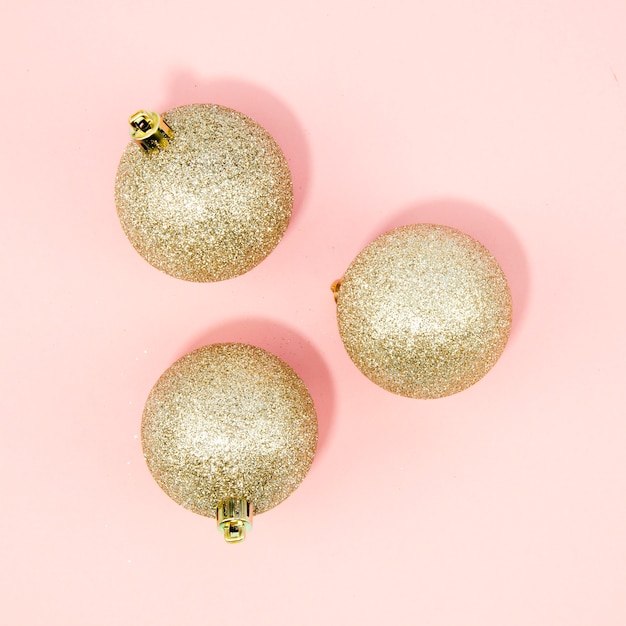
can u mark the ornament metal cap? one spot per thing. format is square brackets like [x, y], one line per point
[335, 288]
[149, 130]
[234, 519]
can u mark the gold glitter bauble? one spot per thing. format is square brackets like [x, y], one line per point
[229, 422]
[424, 311]
[207, 199]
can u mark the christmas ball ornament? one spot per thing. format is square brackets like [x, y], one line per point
[202, 192]
[229, 430]
[424, 311]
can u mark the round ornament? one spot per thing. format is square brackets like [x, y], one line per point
[229, 430]
[424, 311]
[202, 192]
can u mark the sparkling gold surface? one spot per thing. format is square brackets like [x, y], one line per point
[424, 311]
[214, 203]
[229, 421]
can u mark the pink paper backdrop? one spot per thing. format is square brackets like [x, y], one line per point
[503, 505]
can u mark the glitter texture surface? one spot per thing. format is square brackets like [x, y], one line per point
[214, 203]
[229, 421]
[424, 311]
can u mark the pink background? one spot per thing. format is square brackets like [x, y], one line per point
[503, 505]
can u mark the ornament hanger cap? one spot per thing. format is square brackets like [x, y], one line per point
[149, 130]
[234, 519]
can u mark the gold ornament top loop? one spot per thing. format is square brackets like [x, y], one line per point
[149, 130]
[234, 519]
[335, 288]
